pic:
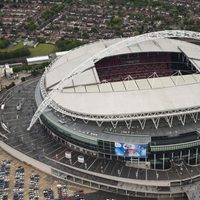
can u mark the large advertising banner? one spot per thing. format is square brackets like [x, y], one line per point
[131, 150]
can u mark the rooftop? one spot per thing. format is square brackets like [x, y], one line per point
[84, 95]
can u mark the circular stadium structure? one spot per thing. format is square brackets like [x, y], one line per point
[134, 101]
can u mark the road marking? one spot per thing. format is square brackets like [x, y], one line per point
[92, 164]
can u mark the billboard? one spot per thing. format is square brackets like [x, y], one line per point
[131, 150]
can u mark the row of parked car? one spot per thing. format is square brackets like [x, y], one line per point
[48, 194]
[62, 192]
[34, 187]
[4, 179]
[18, 191]
[79, 195]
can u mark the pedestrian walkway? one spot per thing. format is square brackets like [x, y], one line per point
[193, 191]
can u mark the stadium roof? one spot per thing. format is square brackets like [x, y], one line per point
[131, 102]
[71, 85]
[87, 75]
[85, 95]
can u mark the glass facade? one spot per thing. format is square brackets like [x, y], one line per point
[67, 135]
[174, 147]
[160, 156]
[163, 159]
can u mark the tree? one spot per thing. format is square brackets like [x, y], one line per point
[23, 79]
[4, 43]
[31, 26]
[1, 5]
[65, 45]
[35, 72]
[115, 22]
[21, 52]
[10, 86]
[136, 33]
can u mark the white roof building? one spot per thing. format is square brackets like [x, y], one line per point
[85, 95]
[37, 59]
[78, 92]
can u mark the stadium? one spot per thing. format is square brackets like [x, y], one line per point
[144, 95]
[125, 114]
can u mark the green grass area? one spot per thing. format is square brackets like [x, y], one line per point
[40, 50]
[17, 46]
[43, 49]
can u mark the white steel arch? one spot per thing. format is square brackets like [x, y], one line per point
[105, 52]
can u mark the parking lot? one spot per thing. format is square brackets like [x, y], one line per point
[45, 181]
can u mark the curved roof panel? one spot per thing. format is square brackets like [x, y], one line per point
[83, 93]
[130, 102]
